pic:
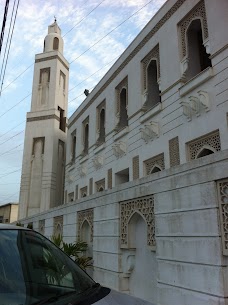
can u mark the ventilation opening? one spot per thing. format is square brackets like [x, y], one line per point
[102, 126]
[122, 176]
[155, 169]
[86, 146]
[100, 189]
[56, 43]
[205, 152]
[152, 85]
[198, 58]
[62, 122]
[123, 108]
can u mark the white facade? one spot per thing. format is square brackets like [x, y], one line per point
[45, 136]
[146, 181]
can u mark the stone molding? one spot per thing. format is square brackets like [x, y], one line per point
[44, 117]
[51, 58]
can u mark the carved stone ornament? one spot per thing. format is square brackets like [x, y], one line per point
[145, 207]
[196, 105]
[222, 186]
[69, 178]
[119, 149]
[85, 215]
[98, 162]
[82, 170]
[150, 131]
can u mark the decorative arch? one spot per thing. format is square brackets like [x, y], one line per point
[85, 215]
[134, 219]
[205, 151]
[55, 43]
[144, 206]
[156, 168]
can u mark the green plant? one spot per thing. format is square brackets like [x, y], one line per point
[19, 224]
[74, 250]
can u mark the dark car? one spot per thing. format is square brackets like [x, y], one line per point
[33, 271]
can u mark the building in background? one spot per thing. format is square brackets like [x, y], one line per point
[8, 212]
[146, 181]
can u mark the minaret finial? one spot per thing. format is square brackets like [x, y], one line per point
[55, 19]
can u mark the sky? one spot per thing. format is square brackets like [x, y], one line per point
[95, 33]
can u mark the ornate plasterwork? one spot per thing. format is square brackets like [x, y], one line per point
[135, 165]
[119, 149]
[100, 185]
[156, 161]
[110, 178]
[85, 215]
[42, 226]
[98, 162]
[174, 153]
[152, 55]
[196, 105]
[223, 208]
[82, 170]
[58, 226]
[145, 207]
[91, 186]
[84, 191]
[198, 12]
[150, 131]
[209, 141]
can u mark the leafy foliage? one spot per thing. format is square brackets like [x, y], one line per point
[75, 250]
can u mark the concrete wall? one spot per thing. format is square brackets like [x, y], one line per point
[187, 266]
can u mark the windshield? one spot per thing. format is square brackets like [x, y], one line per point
[33, 269]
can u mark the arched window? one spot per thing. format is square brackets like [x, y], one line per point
[56, 43]
[123, 108]
[102, 126]
[100, 189]
[152, 85]
[204, 152]
[86, 145]
[198, 58]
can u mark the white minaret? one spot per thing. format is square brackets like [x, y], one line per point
[42, 180]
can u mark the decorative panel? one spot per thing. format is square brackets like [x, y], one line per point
[174, 154]
[91, 186]
[42, 226]
[156, 161]
[83, 191]
[135, 165]
[223, 208]
[85, 215]
[145, 207]
[197, 12]
[110, 178]
[100, 185]
[209, 141]
[58, 226]
[153, 54]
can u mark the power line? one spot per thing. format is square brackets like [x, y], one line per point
[10, 173]
[84, 17]
[10, 196]
[4, 23]
[111, 31]
[12, 137]
[11, 129]
[11, 149]
[9, 45]
[16, 105]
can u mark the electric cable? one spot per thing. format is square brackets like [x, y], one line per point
[4, 23]
[11, 129]
[10, 173]
[12, 137]
[11, 149]
[9, 46]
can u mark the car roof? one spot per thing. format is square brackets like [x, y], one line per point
[12, 227]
